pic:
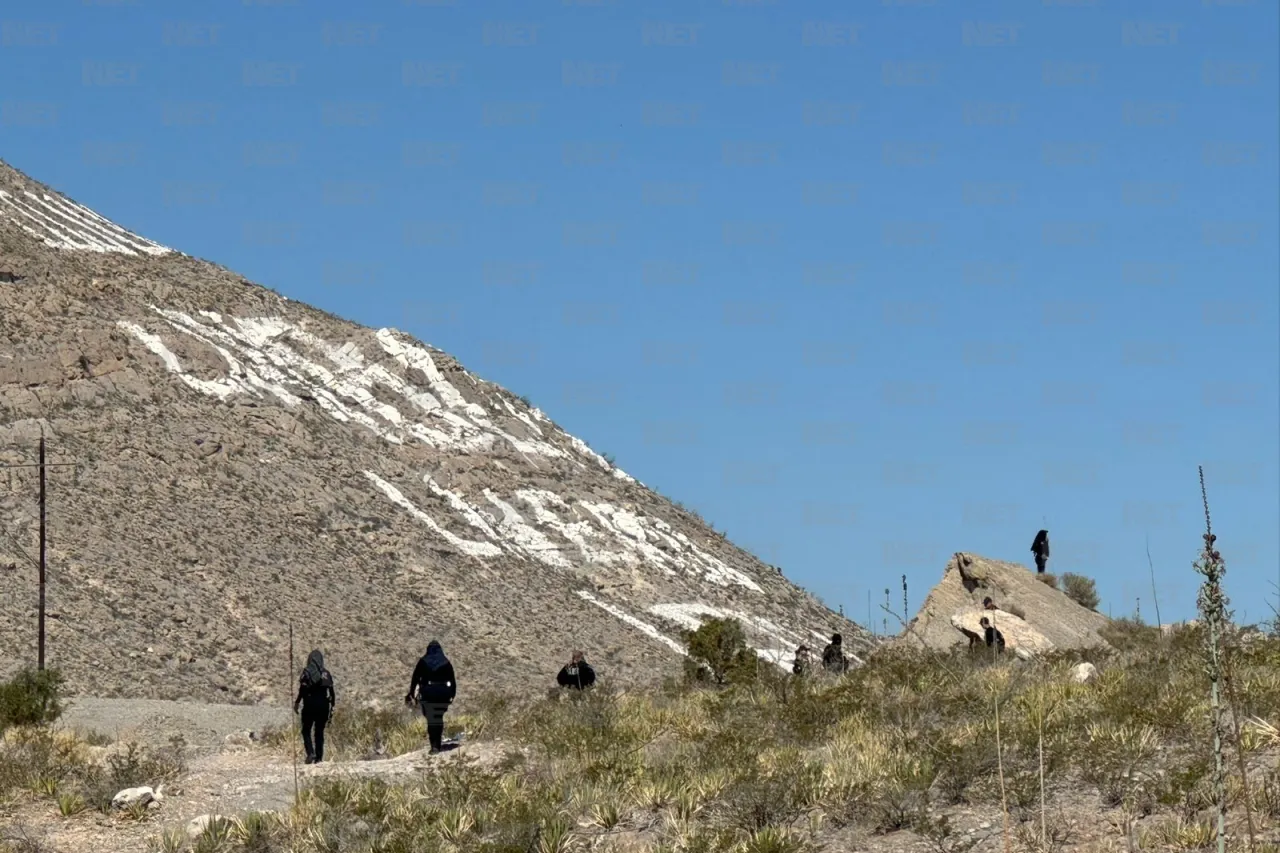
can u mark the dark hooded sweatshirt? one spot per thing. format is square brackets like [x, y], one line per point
[315, 685]
[578, 675]
[833, 659]
[433, 677]
[1040, 547]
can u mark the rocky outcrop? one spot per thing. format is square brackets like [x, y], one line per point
[1018, 634]
[1033, 617]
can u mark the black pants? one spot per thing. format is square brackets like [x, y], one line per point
[1040, 561]
[434, 712]
[314, 718]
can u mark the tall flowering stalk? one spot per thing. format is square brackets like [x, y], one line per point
[1212, 604]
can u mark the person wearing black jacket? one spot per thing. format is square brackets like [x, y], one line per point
[1040, 547]
[316, 699]
[435, 687]
[833, 659]
[991, 634]
[577, 674]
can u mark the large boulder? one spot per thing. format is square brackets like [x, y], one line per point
[1019, 635]
[1033, 616]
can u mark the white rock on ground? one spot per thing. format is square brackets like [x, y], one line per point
[1083, 673]
[198, 825]
[134, 796]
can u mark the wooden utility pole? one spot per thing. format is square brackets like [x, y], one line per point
[43, 540]
[42, 564]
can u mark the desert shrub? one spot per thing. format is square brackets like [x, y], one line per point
[133, 766]
[770, 797]
[719, 648]
[30, 698]
[38, 759]
[1081, 590]
[1049, 580]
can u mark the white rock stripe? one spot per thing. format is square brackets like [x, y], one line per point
[642, 627]
[63, 224]
[271, 356]
[475, 549]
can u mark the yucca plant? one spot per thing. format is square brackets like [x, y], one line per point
[70, 804]
[169, 841]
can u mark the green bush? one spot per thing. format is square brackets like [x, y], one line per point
[1081, 590]
[30, 698]
[719, 647]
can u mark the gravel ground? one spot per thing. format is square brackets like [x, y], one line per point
[155, 721]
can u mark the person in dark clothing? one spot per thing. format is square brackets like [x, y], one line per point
[833, 659]
[992, 635]
[434, 686]
[316, 700]
[988, 604]
[803, 662]
[577, 674]
[1040, 547]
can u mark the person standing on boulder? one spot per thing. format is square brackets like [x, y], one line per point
[1040, 547]
[316, 700]
[435, 687]
[833, 659]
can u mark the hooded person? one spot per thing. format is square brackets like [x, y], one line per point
[833, 659]
[1040, 547]
[434, 687]
[577, 674]
[316, 700]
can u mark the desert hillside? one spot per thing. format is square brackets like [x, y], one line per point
[244, 462]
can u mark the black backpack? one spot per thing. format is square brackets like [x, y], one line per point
[316, 690]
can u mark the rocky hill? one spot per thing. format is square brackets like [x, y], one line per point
[1032, 616]
[246, 462]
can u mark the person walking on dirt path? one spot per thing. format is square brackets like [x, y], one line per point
[577, 674]
[316, 699]
[434, 686]
[1040, 547]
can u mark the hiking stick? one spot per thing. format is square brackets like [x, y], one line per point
[1004, 803]
[297, 731]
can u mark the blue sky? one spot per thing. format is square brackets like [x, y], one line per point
[865, 284]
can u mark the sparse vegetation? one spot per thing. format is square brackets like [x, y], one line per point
[765, 761]
[741, 756]
[1049, 580]
[1081, 590]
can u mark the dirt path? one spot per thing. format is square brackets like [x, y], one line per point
[155, 721]
[222, 779]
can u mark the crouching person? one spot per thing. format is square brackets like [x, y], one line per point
[577, 674]
[434, 687]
